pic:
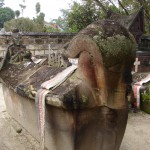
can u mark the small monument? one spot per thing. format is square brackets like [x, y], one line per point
[87, 110]
[136, 63]
[16, 52]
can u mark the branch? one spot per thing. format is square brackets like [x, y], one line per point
[123, 7]
[140, 2]
[112, 3]
[101, 5]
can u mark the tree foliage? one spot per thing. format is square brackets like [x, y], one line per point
[17, 13]
[6, 14]
[22, 6]
[24, 25]
[37, 7]
[1, 3]
[82, 14]
[134, 5]
[131, 6]
[57, 25]
[40, 19]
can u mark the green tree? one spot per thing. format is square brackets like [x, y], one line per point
[1, 3]
[40, 19]
[61, 24]
[51, 29]
[22, 6]
[6, 14]
[81, 15]
[37, 8]
[24, 25]
[17, 13]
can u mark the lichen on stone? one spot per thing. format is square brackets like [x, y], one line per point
[114, 49]
[115, 42]
[84, 100]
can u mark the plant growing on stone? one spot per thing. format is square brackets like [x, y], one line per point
[146, 95]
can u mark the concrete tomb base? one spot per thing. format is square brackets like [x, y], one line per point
[88, 110]
[98, 128]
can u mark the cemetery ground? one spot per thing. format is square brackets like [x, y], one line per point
[15, 137]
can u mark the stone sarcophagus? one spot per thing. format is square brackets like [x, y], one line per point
[88, 109]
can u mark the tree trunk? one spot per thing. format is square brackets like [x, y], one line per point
[101, 5]
[112, 3]
[123, 7]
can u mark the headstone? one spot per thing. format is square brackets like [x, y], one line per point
[142, 62]
[16, 53]
[136, 63]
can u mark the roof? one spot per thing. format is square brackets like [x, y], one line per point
[27, 80]
[126, 21]
[145, 38]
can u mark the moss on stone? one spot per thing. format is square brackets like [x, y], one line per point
[115, 42]
[115, 49]
[84, 101]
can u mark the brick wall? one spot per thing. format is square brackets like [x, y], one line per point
[38, 43]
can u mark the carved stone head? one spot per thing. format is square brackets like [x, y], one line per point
[106, 53]
[16, 37]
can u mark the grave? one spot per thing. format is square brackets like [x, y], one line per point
[142, 71]
[143, 58]
[136, 64]
[87, 109]
[142, 63]
[143, 54]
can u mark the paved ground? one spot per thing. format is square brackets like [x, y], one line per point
[137, 135]
[14, 137]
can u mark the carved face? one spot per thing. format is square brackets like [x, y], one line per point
[103, 71]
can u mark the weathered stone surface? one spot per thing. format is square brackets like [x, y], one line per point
[32, 40]
[3, 47]
[3, 41]
[39, 52]
[32, 47]
[105, 72]
[2, 53]
[28, 40]
[43, 47]
[39, 41]
[106, 75]
[89, 110]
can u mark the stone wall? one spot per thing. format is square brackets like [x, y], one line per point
[38, 43]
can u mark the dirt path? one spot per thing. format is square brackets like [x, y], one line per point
[14, 137]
